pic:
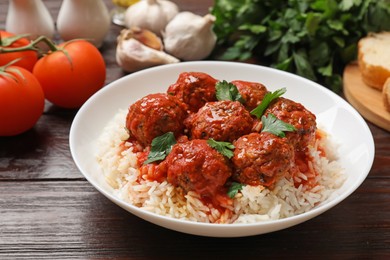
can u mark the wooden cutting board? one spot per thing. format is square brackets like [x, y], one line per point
[366, 100]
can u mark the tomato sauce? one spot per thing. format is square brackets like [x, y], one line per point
[189, 109]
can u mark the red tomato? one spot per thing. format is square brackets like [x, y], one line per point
[21, 100]
[28, 58]
[69, 77]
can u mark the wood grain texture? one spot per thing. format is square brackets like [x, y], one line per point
[367, 100]
[49, 211]
[61, 219]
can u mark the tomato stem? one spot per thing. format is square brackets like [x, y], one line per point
[32, 46]
[3, 71]
[7, 41]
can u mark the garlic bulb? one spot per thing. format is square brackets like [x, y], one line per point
[138, 50]
[153, 15]
[189, 36]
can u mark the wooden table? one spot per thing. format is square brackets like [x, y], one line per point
[49, 211]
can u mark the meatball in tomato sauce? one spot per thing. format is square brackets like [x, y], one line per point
[194, 89]
[252, 92]
[195, 166]
[220, 120]
[154, 115]
[297, 115]
[261, 158]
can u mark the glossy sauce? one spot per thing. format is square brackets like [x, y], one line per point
[195, 166]
[191, 111]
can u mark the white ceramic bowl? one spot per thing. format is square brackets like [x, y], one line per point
[334, 115]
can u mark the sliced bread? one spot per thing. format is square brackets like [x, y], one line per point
[374, 59]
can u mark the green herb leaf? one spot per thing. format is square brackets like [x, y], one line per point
[268, 98]
[228, 91]
[261, 29]
[276, 126]
[303, 65]
[234, 188]
[225, 148]
[161, 147]
[256, 29]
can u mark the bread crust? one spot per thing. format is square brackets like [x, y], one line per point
[386, 94]
[374, 75]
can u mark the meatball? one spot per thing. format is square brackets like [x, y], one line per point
[194, 89]
[252, 92]
[261, 158]
[195, 166]
[154, 115]
[221, 120]
[297, 115]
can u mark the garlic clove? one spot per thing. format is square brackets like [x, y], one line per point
[132, 55]
[189, 36]
[144, 36]
[153, 15]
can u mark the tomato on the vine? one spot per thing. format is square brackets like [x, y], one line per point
[71, 74]
[21, 100]
[28, 58]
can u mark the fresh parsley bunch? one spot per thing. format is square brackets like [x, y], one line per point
[312, 38]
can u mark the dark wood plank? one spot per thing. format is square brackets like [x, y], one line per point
[49, 211]
[42, 152]
[381, 165]
[51, 220]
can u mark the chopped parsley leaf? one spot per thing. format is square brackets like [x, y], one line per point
[234, 188]
[161, 147]
[276, 126]
[225, 148]
[228, 91]
[268, 98]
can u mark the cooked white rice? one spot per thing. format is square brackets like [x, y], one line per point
[251, 204]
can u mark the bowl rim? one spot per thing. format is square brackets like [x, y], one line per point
[284, 222]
